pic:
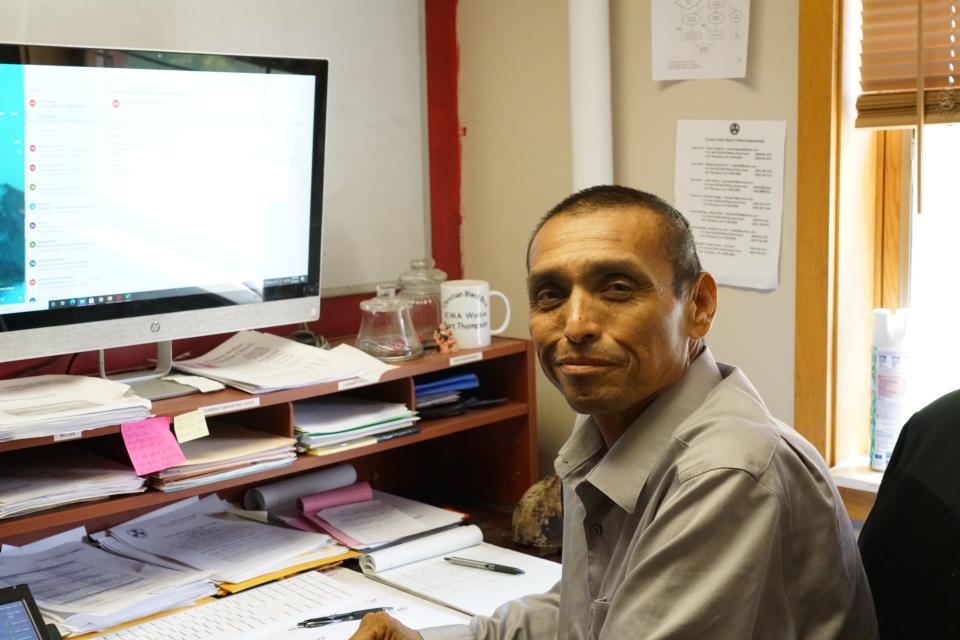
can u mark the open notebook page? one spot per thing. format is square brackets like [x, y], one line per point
[418, 567]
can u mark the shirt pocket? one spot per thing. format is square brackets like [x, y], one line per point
[598, 614]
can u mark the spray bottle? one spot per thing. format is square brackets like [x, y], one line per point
[888, 407]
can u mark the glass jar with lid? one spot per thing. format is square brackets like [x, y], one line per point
[386, 330]
[421, 288]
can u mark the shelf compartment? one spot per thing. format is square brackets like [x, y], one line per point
[112, 511]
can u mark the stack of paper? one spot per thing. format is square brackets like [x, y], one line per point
[52, 476]
[419, 567]
[199, 534]
[274, 610]
[325, 424]
[259, 362]
[230, 451]
[365, 519]
[81, 588]
[57, 404]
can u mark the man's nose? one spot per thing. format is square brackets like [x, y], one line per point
[582, 320]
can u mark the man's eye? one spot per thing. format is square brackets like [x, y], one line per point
[618, 290]
[547, 297]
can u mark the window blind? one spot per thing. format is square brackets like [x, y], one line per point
[889, 62]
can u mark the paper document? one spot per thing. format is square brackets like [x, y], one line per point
[201, 384]
[52, 476]
[229, 451]
[696, 39]
[83, 588]
[77, 534]
[273, 611]
[729, 184]
[364, 441]
[378, 520]
[418, 567]
[259, 362]
[324, 422]
[57, 404]
[202, 536]
[344, 413]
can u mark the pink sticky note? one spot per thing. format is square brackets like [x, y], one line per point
[150, 445]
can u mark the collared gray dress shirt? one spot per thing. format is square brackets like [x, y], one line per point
[708, 518]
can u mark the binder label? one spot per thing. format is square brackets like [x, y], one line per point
[226, 407]
[464, 359]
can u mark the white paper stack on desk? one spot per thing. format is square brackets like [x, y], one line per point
[419, 567]
[81, 588]
[258, 362]
[42, 478]
[325, 424]
[199, 534]
[230, 451]
[56, 404]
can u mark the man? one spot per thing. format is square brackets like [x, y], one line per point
[909, 541]
[689, 511]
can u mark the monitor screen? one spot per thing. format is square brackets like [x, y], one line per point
[147, 196]
[16, 622]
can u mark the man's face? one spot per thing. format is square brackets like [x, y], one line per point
[607, 327]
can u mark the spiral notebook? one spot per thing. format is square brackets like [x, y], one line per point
[418, 567]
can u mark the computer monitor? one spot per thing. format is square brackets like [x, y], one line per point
[147, 196]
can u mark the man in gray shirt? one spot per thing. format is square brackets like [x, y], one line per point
[689, 510]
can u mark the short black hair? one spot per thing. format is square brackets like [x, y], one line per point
[678, 238]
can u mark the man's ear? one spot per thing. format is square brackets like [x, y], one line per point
[701, 305]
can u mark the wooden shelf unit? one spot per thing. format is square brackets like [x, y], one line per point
[486, 454]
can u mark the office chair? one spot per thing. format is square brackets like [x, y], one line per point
[910, 542]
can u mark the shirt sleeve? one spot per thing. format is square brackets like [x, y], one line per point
[705, 567]
[533, 616]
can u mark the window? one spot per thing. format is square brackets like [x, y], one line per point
[857, 245]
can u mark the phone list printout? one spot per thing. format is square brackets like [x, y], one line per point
[729, 184]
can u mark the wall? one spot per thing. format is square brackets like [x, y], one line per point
[375, 187]
[514, 108]
[340, 315]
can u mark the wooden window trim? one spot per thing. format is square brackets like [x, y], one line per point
[839, 275]
[818, 119]
[893, 159]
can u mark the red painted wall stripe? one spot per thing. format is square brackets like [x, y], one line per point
[443, 66]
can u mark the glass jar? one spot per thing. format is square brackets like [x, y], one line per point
[386, 330]
[420, 287]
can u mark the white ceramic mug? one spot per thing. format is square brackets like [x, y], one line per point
[466, 311]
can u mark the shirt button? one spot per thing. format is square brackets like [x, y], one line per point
[596, 530]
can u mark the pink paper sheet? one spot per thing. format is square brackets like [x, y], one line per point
[356, 492]
[311, 504]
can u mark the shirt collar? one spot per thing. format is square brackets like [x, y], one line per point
[623, 470]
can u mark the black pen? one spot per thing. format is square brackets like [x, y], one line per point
[339, 617]
[480, 564]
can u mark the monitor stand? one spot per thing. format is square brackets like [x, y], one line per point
[147, 384]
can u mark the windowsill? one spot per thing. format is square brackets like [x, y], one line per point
[857, 484]
[856, 474]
